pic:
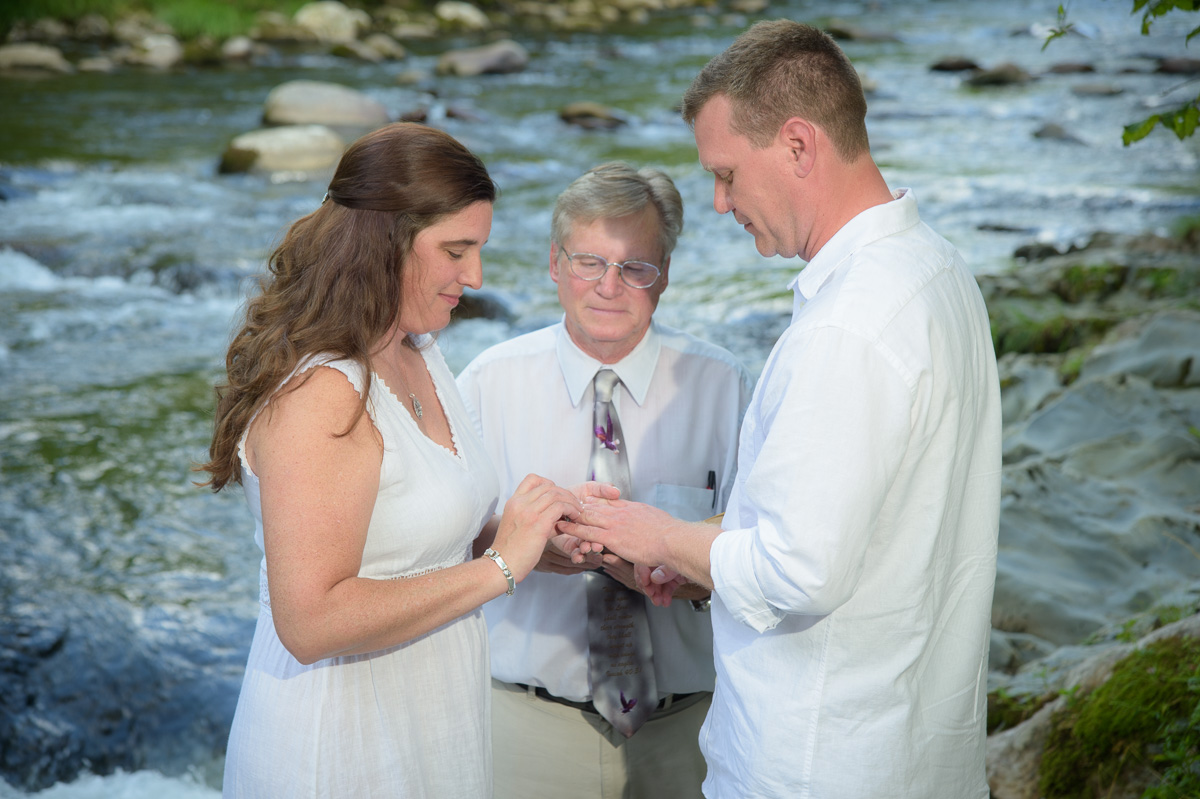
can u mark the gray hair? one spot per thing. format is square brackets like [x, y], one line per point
[614, 190]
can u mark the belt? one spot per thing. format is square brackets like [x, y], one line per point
[589, 707]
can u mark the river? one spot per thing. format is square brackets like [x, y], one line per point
[124, 258]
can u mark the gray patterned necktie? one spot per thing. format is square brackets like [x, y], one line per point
[619, 649]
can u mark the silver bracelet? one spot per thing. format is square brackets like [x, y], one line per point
[495, 556]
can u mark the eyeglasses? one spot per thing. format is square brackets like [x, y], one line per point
[635, 274]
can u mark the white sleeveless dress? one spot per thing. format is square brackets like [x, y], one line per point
[410, 721]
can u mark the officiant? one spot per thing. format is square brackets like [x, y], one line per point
[597, 692]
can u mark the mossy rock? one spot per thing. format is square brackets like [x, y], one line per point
[1078, 283]
[1044, 328]
[1005, 710]
[1137, 735]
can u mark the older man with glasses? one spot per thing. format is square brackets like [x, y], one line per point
[597, 692]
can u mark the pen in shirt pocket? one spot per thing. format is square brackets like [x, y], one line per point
[712, 486]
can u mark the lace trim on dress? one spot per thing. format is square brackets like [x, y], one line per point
[312, 362]
[456, 453]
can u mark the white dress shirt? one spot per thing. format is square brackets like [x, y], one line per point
[854, 581]
[680, 404]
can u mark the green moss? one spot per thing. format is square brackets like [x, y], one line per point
[1170, 282]
[1005, 711]
[1138, 731]
[1016, 330]
[1093, 282]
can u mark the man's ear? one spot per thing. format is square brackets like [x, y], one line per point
[554, 261]
[799, 136]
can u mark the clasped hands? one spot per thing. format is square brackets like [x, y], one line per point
[620, 537]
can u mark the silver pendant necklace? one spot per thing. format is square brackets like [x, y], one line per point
[416, 404]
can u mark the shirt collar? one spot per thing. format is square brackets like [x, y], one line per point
[869, 226]
[635, 370]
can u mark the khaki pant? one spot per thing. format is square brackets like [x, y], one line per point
[543, 749]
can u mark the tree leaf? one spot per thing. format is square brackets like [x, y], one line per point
[1139, 130]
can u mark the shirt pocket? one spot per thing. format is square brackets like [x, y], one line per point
[684, 502]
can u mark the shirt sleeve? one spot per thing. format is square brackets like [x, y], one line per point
[833, 423]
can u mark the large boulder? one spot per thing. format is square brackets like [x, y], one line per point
[300, 149]
[499, 57]
[30, 57]
[331, 21]
[305, 102]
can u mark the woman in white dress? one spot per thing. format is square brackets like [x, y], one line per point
[374, 500]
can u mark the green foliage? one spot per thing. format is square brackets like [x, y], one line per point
[1060, 30]
[1181, 121]
[1157, 8]
[1141, 728]
[188, 18]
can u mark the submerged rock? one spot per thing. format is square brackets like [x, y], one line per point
[1000, 75]
[592, 116]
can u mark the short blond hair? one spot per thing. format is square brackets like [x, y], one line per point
[782, 69]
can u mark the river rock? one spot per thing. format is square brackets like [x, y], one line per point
[304, 102]
[387, 47]
[237, 48]
[1179, 66]
[500, 57]
[132, 29]
[157, 51]
[32, 57]
[272, 26]
[291, 148]
[1070, 68]
[1100, 481]
[592, 116]
[1163, 349]
[840, 29]
[331, 21]
[955, 63]
[90, 683]
[1014, 756]
[1006, 74]
[45, 29]
[1056, 132]
[92, 28]
[461, 16]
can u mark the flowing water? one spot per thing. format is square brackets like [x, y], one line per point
[124, 258]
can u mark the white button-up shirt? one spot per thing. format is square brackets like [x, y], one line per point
[854, 581]
[680, 403]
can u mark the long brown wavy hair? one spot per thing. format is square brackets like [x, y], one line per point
[334, 283]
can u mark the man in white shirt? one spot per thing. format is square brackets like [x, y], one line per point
[852, 582]
[679, 402]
